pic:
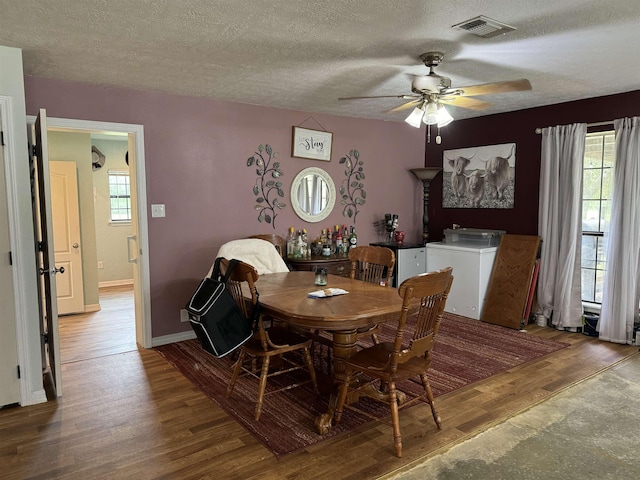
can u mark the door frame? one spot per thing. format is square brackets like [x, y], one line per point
[142, 291]
[16, 274]
[24, 275]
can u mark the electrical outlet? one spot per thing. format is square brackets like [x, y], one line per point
[184, 315]
[100, 264]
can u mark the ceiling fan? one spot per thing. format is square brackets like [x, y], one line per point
[432, 92]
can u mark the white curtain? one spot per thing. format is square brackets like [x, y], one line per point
[560, 224]
[304, 200]
[316, 198]
[621, 289]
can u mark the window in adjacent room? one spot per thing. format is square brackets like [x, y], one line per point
[596, 211]
[119, 196]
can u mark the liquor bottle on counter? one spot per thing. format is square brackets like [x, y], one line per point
[306, 251]
[291, 243]
[339, 243]
[353, 238]
[299, 246]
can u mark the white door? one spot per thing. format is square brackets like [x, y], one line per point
[66, 236]
[9, 383]
[45, 259]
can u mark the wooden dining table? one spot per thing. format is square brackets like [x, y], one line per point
[285, 296]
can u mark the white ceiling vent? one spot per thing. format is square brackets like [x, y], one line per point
[484, 27]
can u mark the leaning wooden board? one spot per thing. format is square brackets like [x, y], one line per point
[510, 280]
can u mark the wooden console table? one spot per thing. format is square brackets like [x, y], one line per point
[335, 265]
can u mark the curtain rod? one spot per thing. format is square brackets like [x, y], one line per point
[596, 124]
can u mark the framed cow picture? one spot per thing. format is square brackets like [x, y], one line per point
[479, 177]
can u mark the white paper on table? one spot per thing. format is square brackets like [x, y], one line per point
[327, 292]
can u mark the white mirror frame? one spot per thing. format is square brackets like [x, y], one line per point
[331, 200]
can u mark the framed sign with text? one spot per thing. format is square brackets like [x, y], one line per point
[313, 144]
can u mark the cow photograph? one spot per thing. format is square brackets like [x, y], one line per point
[479, 177]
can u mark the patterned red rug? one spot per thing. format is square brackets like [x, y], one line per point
[466, 351]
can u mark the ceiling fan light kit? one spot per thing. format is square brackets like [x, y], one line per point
[415, 117]
[444, 117]
[430, 113]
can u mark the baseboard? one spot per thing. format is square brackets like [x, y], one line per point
[173, 338]
[92, 308]
[115, 283]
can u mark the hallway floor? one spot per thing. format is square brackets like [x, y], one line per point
[109, 331]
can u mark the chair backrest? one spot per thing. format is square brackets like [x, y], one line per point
[370, 264]
[432, 290]
[244, 276]
[277, 241]
[242, 285]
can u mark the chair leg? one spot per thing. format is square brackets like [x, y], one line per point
[342, 396]
[312, 370]
[395, 418]
[236, 372]
[262, 387]
[427, 389]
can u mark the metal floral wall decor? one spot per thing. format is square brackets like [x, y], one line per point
[479, 177]
[352, 189]
[267, 188]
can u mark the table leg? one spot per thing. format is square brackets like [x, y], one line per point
[344, 345]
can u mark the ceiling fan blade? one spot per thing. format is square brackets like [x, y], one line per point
[380, 96]
[405, 106]
[497, 87]
[464, 102]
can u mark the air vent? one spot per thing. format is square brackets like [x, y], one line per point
[484, 27]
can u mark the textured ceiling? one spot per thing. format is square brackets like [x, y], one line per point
[305, 54]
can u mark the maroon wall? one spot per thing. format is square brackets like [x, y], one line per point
[517, 127]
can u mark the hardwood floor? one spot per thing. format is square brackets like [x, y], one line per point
[97, 334]
[129, 414]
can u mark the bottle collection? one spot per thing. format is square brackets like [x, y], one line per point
[331, 241]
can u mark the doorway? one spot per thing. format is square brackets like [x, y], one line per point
[137, 245]
[103, 322]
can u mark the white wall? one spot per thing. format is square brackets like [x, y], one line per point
[111, 238]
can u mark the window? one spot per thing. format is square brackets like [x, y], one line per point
[119, 196]
[596, 211]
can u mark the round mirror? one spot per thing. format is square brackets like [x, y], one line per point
[313, 194]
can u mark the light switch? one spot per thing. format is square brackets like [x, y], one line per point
[157, 210]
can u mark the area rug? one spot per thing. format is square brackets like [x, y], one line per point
[466, 351]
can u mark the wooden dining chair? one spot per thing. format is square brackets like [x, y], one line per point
[373, 265]
[255, 355]
[387, 363]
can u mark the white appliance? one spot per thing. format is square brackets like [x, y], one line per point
[472, 267]
[410, 262]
